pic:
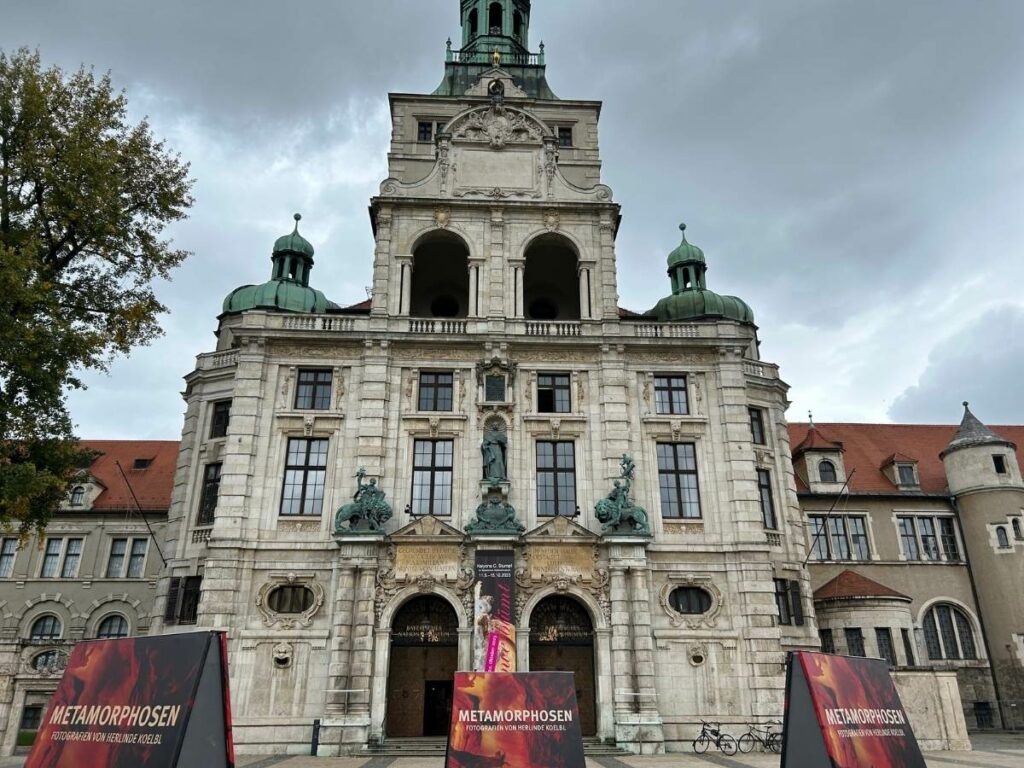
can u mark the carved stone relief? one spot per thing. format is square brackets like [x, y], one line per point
[691, 621]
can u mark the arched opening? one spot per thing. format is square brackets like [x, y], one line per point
[517, 25]
[113, 626]
[948, 633]
[562, 640]
[827, 472]
[551, 289]
[424, 657]
[440, 277]
[473, 23]
[494, 19]
[1001, 538]
[77, 496]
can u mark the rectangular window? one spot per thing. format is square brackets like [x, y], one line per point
[61, 556]
[854, 641]
[208, 495]
[436, 391]
[999, 462]
[908, 538]
[137, 558]
[846, 539]
[796, 602]
[859, 538]
[757, 426]
[72, 556]
[220, 418]
[564, 136]
[764, 492]
[828, 643]
[314, 390]
[908, 647]
[556, 478]
[553, 393]
[188, 610]
[677, 480]
[304, 474]
[424, 130]
[929, 541]
[132, 550]
[8, 552]
[494, 388]
[819, 538]
[906, 474]
[883, 637]
[115, 563]
[432, 477]
[31, 717]
[782, 601]
[947, 536]
[51, 558]
[837, 538]
[670, 395]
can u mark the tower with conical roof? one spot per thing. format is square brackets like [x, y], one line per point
[985, 483]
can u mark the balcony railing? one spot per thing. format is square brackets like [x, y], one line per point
[475, 56]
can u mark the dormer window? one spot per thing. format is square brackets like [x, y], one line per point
[999, 462]
[907, 474]
[77, 496]
[142, 463]
[827, 472]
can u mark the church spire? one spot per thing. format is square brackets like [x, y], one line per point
[496, 25]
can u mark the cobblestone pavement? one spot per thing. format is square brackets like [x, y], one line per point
[990, 751]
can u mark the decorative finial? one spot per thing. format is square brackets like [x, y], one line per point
[810, 420]
[682, 227]
[965, 403]
[298, 218]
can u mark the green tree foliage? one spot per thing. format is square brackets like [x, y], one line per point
[84, 198]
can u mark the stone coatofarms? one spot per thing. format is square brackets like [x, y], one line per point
[495, 516]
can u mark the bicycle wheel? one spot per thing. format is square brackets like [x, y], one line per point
[727, 744]
[700, 744]
[745, 742]
[775, 742]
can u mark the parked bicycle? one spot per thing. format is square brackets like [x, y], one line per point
[711, 733]
[765, 735]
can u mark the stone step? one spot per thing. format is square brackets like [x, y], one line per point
[434, 746]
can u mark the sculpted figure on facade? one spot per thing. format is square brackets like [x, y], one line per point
[495, 516]
[616, 511]
[368, 510]
[493, 448]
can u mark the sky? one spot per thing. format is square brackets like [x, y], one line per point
[853, 169]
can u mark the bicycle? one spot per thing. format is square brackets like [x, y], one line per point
[711, 733]
[764, 735]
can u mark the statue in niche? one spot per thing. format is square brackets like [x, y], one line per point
[494, 450]
[616, 511]
[368, 511]
[495, 516]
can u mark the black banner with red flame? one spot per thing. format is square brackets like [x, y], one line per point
[515, 720]
[140, 702]
[844, 712]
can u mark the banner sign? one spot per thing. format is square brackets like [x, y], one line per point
[515, 720]
[140, 702]
[494, 629]
[844, 712]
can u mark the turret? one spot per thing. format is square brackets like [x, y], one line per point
[979, 459]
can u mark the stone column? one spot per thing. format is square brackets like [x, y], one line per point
[405, 283]
[341, 642]
[622, 665]
[381, 258]
[516, 267]
[583, 277]
[643, 643]
[363, 622]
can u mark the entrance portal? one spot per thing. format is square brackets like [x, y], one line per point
[562, 639]
[424, 656]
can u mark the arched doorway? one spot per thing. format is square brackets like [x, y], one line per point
[424, 657]
[440, 277]
[551, 286]
[562, 639]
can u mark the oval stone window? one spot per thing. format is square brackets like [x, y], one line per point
[290, 598]
[692, 600]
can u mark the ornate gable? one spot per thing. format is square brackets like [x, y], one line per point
[427, 527]
[560, 528]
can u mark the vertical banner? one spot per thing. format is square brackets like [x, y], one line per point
[515, 720]
[494, 628]
[140, 702]
[844, 712]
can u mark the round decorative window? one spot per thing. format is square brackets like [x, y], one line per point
[690, 600]
[290, 598]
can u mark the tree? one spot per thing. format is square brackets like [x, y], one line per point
[84, 198]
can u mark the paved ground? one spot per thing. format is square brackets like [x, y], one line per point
[990, 751]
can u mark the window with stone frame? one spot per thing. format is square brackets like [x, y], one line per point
[183, 594]
[1002, 539]
[906, 474]
[305, 474]
[46, 629]
[908, 648]
[112, 627]
[556, 478]
[948, 633]
[127, 558]
[670, 395]
[827, 472]
[764, 492]
[77, 496]
[61, 557]
[209, 494]
[554, 393]
[219, 418]
[839, 537]
[788, 601]
[8, 554]
[908, 538]
[854, 641]
[313, 390]
[677, 481]
[432, 468]
[1017, 533]
[999, 463]
[948, 539]
[757, 432]
[565, 135]
[436, 391]
[886, 649]
[828, 642]
[928, 537]
[31, 718]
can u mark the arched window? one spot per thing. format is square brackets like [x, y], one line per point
[1001, 537]
[827, 472]
[473, 22]
[494, 19]
[427, 620]
[77, 495]
[113, 626]
[45, 628]
[517, 24]
[693, 600]
[559, 620]
[1016, 528]
[948, 633]
[551, 280]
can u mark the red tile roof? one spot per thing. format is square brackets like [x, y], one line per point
[852, 584]
[815, 440]
[867, 446]
[152, 485]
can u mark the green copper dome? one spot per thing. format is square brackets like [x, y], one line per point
[288, 289]
[691, 299]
